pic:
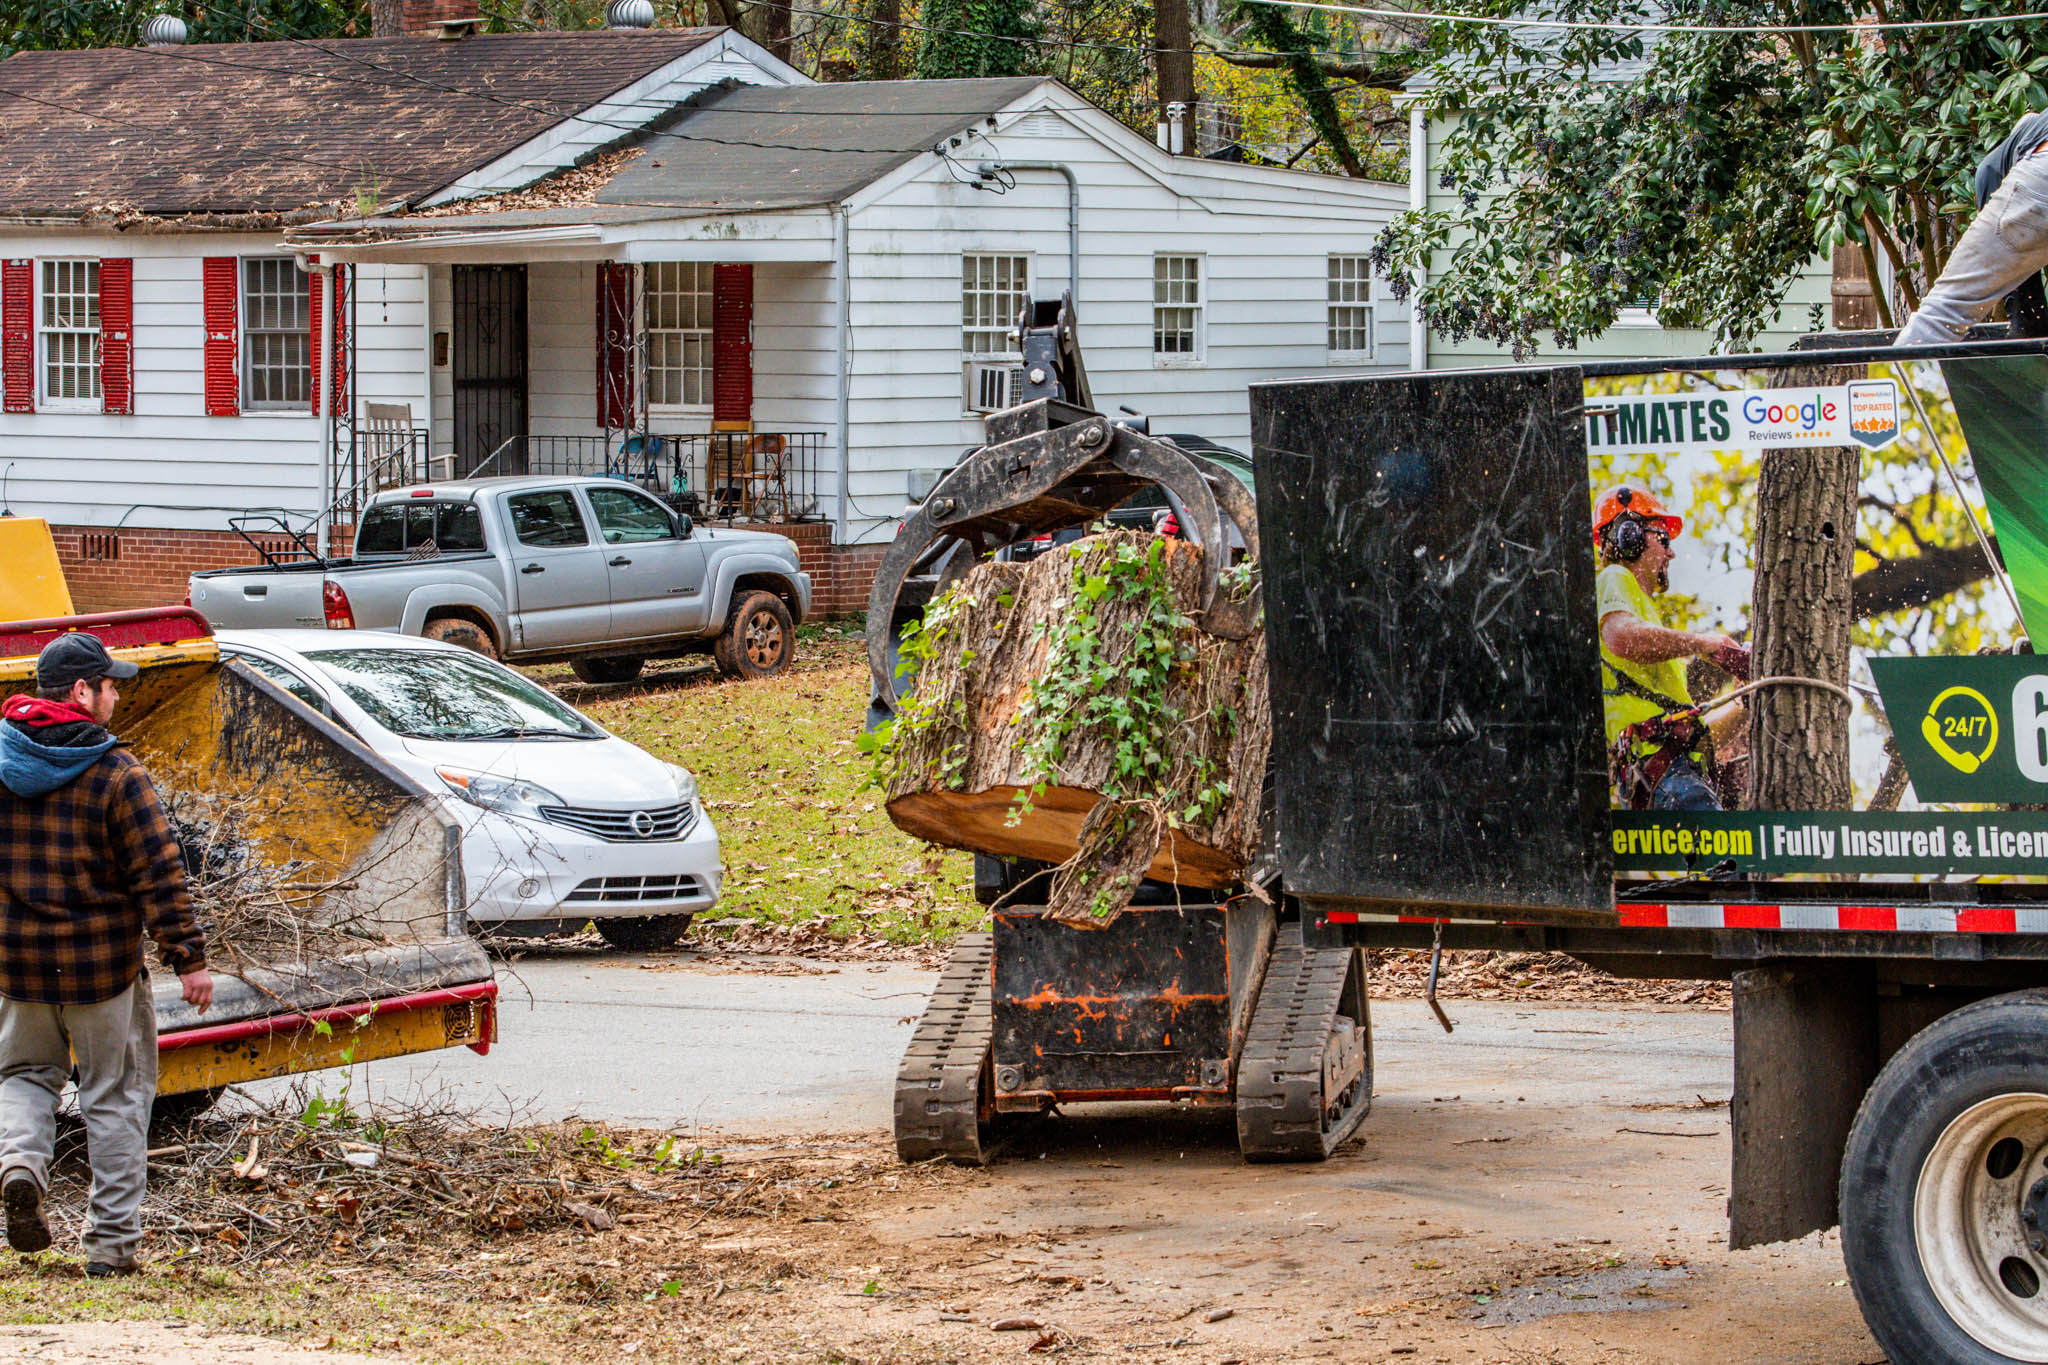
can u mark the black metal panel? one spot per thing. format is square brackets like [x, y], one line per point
[1430, 624]
[488, 367]
[1133, 1009]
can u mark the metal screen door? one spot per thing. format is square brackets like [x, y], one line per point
[489, 366]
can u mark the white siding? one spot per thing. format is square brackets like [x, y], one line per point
[169, 464]
[561, 331]
[1264, 238]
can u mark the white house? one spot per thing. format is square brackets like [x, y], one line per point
[659, 252]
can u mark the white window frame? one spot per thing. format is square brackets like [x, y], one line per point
[246, 335]
[1344, 273]
[1199, 356]
[48, 333]
[1005, 322]
[700, 275]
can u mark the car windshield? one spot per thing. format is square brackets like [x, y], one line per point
[436, 694]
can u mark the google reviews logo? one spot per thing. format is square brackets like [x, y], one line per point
[1815, 413]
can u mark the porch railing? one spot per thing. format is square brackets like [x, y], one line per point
[712, 476]
[374, 459]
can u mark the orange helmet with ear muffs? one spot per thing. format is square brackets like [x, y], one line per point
[1636, 501]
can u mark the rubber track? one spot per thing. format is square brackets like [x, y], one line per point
[1280, 1072]
[938, 1084]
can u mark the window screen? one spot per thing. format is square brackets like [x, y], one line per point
[1350, 306]
[993, 291]
[277, 319]
[70, 327]
[1177, 306]
[678, 320]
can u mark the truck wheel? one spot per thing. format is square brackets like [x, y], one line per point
[759, 640]
[1945, 1190]
[607, 670]
[645, 934]
[460, 630]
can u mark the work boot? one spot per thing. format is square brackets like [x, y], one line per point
[27, 1229]
[107, 1270]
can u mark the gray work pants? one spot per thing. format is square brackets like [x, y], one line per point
[2006, 244]
[114, 1044]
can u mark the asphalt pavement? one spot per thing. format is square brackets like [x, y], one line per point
[793, 1047]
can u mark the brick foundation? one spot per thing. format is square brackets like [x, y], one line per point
[113, 570]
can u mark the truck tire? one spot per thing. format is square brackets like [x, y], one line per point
[607, 670]
[645, 933]
[759, 639]
[1944, 1197]
[460, 630]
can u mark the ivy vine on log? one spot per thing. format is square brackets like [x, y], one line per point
[1069, 710]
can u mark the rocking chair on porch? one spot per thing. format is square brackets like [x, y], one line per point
[750, 477]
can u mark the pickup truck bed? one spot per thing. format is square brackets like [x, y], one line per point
[538, 569]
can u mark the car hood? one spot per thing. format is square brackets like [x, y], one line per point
[598, 774]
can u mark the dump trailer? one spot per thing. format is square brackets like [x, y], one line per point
[356, 947]
[1789, 730]
[1862, 849]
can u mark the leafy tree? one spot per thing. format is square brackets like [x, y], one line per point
[27, 25]
[1597, 168]
[966, 38]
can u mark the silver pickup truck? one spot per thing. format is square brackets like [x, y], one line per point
[536, 569]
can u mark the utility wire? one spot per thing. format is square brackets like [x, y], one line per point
[1630, 26]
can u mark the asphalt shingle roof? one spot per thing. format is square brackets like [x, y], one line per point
[745, 149]
[281, 126]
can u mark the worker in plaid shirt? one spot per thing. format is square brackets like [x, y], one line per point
[87, 863]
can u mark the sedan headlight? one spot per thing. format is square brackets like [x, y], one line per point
[506, 795]
[686, 783]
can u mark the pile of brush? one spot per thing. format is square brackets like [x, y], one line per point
[254, 911]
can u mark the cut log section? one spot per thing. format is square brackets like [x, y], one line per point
[1081, 679]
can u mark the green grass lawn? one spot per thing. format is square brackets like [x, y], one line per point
[804, 842]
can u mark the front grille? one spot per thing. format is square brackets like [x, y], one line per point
[632, 890]
[665, 822]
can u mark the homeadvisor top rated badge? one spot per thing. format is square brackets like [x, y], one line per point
[1874, 412]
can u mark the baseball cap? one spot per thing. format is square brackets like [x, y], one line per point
[74, 656]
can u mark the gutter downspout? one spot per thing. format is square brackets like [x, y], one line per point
[1418, 200]
[988, 169]
[843, 286]
[324, 397]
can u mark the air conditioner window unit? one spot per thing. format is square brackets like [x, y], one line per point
[992, 385]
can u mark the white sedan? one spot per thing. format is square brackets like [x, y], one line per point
[560, 819]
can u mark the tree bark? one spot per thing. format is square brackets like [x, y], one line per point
[1805, 552]
[775, 30]
[880, 43]
[960, 760]
[1173, 51]
[387, 18]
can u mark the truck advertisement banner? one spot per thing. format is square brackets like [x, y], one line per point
[1812, 662]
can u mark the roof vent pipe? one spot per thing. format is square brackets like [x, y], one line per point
[629, 14]
[163, 30]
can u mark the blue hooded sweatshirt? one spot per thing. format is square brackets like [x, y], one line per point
[29, 769]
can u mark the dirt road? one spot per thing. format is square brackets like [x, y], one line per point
[1545, 1185]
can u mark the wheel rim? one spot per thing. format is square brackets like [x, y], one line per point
[764, 639]
[1980, 1223]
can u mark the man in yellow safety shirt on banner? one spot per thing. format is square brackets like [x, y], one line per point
[1660, 743]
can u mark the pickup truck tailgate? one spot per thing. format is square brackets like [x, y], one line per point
[279, 600]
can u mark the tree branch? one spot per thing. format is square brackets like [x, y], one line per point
[1371, 75]
[1897, 584]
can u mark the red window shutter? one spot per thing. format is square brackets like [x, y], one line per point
[117, 335]
[732, 343]
[17, 335]
[616, 286]
[223, 388]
